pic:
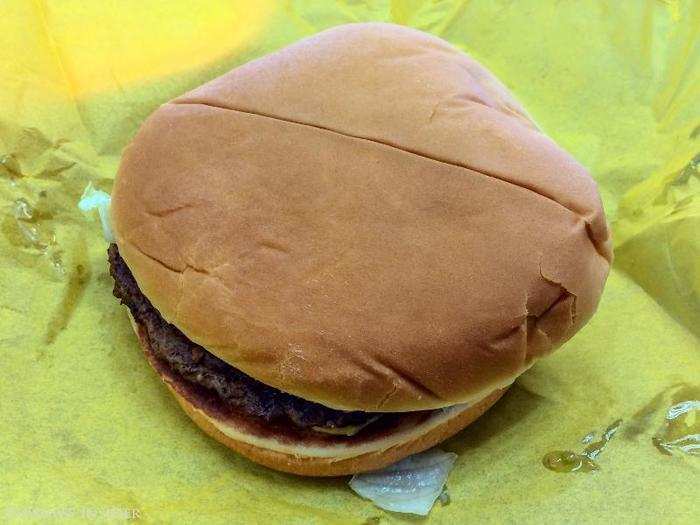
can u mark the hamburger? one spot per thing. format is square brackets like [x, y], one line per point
[344, 252]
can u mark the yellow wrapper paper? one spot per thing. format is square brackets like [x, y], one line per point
[88, 432]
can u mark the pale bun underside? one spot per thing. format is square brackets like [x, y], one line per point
[366, 219]
[308, 458]
[301, 464]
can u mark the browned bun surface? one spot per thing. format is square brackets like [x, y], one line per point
[310, 453]
[365, 219]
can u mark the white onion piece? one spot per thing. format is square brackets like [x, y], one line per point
[411, 485]
[98, 199]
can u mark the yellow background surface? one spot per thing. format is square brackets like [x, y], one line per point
[87, 429]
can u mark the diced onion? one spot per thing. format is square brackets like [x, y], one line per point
[411, 485]
[100, 200]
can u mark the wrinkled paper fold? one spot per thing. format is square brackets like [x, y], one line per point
[89, 432]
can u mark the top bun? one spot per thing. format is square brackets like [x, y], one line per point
[366, 219]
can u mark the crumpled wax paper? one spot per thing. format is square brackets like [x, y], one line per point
[87, 431]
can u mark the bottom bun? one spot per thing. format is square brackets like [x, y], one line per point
[310, 453]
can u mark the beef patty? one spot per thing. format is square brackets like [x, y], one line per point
[232, 386]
